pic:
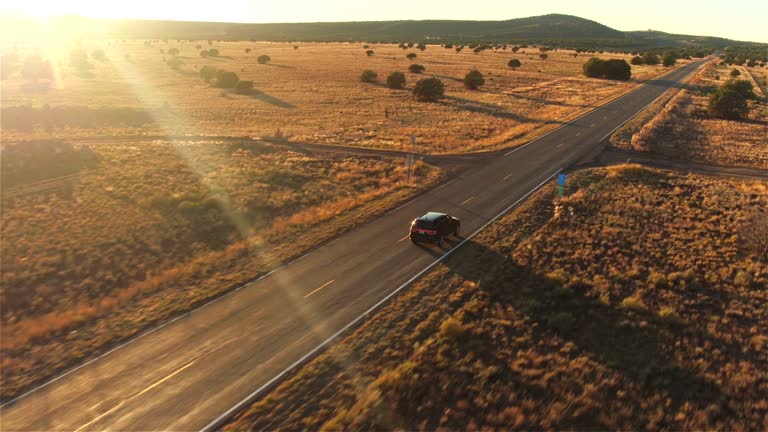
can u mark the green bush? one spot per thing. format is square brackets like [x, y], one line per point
[514, 64]
[98, 54]
[735, 73]
[473, 79]
[636, 60]
[172, 51]
[429, 89]
[369, 76]
[615, 69]
[244, 87]
[742, 87]
[208, 73]
[651, 59]
[728, 104]
[369, 53]
[669, 59]
[264, 59]
[396, 80]
[226, 79]
[416, 68]
[410, 56]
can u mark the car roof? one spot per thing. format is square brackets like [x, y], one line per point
[431, 216]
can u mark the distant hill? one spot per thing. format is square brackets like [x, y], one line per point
[554, 29]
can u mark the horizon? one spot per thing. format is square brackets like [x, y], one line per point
[746, 28]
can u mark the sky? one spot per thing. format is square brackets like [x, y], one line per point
[743, 20]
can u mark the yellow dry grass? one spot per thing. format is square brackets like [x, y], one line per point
[314, 94]
[683, 128]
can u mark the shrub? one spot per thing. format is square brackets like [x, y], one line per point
[473, 79]
[669, 315]
[295, 47]
[396, 80]
[452, 329]
[369, 76]
[98, 54]
[213, 52]
[615, 69]
[264, 59]
[754, 234]
[79, 60]
[369, 53]
[208, 73]
[728, 104]
[651, 59]
[244, 87]
[429, 89]
[416, 68]
[421, 46]
[226, 79]
[514, 63]
[247, 50]
[543, 56]
[410, 56]
[174, 63]
[172, 51]
[561, 321]
[636, 60]
[742, 87]
[669, 59]
[36, 68]
[735, 73]
[633, 303]
[204, 53]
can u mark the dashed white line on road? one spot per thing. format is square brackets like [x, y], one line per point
[321, 287]
[466, 201]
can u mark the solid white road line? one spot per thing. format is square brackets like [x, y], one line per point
[279, 376]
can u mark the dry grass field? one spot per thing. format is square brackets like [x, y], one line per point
[312, 94]
[680, 126]
[641, 310]
[156, 227]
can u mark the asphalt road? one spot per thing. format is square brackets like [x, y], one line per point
[192, 371]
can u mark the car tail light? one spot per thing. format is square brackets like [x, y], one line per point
[423, 231]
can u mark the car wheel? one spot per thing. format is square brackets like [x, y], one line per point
[456, 232]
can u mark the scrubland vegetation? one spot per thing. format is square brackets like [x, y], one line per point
[715, 118]
[644, 309]
[151, 228]
[314, 94]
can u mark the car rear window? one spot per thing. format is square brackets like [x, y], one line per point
[422, 224]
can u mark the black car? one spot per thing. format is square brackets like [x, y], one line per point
[433, 226]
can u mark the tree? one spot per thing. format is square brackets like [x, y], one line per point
[410, 56]
[208, 73]
[650, 58]
[543, 56]
[421, 46]
[728, 104]
[416, 68]
[264, 59]
[473, 79]
[98, 54]
[79, 60]
[369, 76]
[735, 73]
[174, 63]
[515, 49]
[669, 59]
[173, 51]
[369, 53]
[429, 89]
[396, 80]
[35, 68]
[636, 60]
[742, 87]
[514, 63]
[244, 87]
[226, 79]
[615, 69]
